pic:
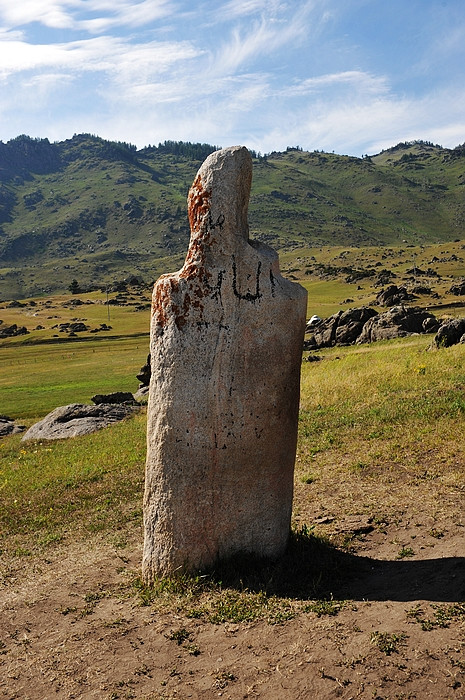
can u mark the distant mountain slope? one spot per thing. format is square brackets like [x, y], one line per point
[97, 210]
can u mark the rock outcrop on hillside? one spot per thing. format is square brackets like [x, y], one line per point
[342, 328]
[392, 296]
[398, 322]
[12, 331]
[365, 325]
[458, 288]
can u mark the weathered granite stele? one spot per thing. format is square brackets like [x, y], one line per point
[226, 344]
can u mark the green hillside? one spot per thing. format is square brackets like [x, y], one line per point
[97, 211]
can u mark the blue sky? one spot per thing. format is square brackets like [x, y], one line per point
[350, 76]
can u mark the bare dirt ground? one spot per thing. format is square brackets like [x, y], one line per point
[72, 626]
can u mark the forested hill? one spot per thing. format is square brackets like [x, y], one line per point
[101, 210]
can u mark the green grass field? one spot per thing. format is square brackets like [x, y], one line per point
[368, 415]
[35, 379]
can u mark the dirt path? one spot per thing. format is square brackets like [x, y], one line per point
[71, 626]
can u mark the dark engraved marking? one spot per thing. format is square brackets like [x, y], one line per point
[215, 292]
[248, 296]
[272, 280]
[218, 223]
[209, 225]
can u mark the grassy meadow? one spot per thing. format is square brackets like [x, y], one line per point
[379, 433]
[379, 425]
[377, 518]
[35, 379]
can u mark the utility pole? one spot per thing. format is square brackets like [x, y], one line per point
[108, 307]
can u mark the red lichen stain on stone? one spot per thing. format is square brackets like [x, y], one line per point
[171, 299]
[172, 302]
[198, 209]
[198, 205]
[160, 301]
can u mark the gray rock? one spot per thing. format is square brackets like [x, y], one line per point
[115, 397]
[458, 288]
[226, 345]
[343, 328]
[142, 393]
[398, 322]
[324, 334]
[392, 296]
[77, 419]
[450, 332]
[9, 427]
[351, 324]
[144, 373]
[12, 331]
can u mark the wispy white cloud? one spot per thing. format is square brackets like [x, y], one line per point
[127, 13]
[235, 9]
[117, 56]
[267, 35]
[368, 124]
[73, 14]
[353, 80]
[51, 13]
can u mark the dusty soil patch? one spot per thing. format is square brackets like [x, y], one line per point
[72, 625]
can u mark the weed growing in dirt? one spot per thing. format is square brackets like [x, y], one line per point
[388, 643]
[179, 636]
[443, 615]
[325, 607]
[223, 679]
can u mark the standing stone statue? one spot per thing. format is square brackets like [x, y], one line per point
[226, 342]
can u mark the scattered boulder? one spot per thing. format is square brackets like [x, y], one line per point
[312, 358]
[142, 394]
[450, 333]
[392, 296]
[365, 325]
[384, 278]
[351, 324]
[415, 271]
[398, 322]
[116, 397]
[9, 427]
[12, 331]
[102, 327]
[75, 327]
[421, 289]
[458, 289]
[343, 328]
[77, 419]
[324, 333]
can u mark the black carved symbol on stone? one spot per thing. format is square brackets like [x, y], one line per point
[248, 296]
[218, 223]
